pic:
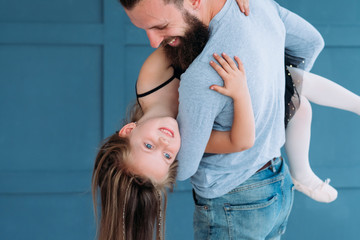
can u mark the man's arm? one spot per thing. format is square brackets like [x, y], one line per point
[198, 108]
[242, 134]
[302, 39]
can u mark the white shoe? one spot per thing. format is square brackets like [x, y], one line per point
[323, 193]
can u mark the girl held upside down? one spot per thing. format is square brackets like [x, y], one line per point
[134, 166]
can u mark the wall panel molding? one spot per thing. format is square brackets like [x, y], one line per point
[83, 34]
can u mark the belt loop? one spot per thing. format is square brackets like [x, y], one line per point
[272, 165]
[194, 196]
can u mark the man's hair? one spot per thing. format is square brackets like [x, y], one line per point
[129, 4]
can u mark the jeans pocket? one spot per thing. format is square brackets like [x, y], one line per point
[253, 220]
[252, 206]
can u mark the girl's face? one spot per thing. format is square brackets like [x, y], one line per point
[154, 145]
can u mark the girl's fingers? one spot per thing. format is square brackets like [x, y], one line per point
[219, 89]
[242, 9]
[247, 10]
[222, 62]
[246, 7]
[218, 69]
[240, 64]
[229, 61]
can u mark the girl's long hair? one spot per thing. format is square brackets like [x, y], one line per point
[132, 207]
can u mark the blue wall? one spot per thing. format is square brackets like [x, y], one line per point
[67, 72]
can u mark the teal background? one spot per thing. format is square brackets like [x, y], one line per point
[67, 72]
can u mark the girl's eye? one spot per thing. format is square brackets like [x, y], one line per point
[148, 146]
[166, 155]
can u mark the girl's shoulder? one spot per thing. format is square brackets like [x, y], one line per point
[155, 70]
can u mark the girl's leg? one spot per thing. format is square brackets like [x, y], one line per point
[324, 92]
[297, 149]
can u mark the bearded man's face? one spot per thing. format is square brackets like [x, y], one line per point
[170, 25]
[190, 45]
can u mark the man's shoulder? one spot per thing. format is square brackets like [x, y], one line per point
[196, 81]
[200, 71]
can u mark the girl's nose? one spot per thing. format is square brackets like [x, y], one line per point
[164, 140]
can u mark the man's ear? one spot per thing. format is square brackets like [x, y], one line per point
[127, 129]
[193, 4]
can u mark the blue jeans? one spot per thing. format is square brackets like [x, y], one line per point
[257, 209]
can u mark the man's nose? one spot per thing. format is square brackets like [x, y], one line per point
[154, 38]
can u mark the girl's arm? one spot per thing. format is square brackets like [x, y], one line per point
[242, 134]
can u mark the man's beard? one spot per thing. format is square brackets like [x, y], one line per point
[191, 45]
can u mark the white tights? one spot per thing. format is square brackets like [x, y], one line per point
[321, 91]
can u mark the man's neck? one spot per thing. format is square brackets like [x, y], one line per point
[210, 9]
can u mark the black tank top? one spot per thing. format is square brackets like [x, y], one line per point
[177, 74]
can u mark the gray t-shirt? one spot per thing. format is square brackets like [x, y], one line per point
[259, 40]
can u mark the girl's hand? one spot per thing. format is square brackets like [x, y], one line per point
[244, 6]
[234, 77]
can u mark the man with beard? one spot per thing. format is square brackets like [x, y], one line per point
[191, 44]
[246, 195]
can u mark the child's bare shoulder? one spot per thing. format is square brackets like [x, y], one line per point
[155, 70]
